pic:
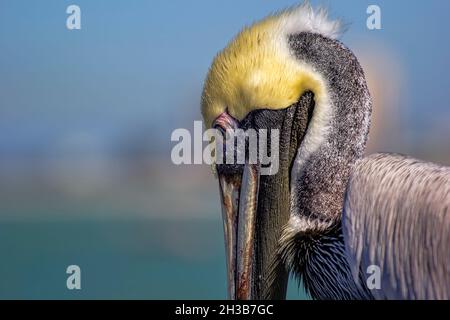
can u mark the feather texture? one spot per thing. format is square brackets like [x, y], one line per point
[397, 217]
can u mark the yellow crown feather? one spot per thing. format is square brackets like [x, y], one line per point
[257, 70]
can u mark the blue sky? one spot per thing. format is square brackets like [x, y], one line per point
[138, 66]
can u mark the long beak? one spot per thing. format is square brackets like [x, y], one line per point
[256, 207]
[239, 197]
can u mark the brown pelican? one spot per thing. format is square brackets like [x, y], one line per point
[328, 214]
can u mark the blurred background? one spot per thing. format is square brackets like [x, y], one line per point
[85, 122]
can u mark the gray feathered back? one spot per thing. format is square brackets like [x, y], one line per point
[397, 216]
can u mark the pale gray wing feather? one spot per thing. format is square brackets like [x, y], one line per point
[397, 217]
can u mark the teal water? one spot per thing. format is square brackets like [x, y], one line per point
[138, 259]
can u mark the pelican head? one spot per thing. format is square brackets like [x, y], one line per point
[290, 73]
